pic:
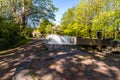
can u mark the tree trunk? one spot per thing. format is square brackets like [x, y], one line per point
[116, 34]
[90, 35]
[23, 18]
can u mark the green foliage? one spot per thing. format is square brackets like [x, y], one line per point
[25, 11]
[49, 29]
[9, 33]
[16, 15]
[29, 31]
[45, 26]
[67, 21]
[90, 16]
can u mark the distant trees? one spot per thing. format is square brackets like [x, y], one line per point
[90, 16]
[45, 26]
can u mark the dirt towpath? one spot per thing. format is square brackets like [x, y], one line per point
[10, 61]
[65, 63]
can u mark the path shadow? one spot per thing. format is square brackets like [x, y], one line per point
[75, 65]
[13, 58]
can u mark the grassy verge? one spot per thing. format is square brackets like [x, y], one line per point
[12, 47]
[22, 42]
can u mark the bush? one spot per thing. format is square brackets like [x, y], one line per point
[10, 33]
[3, 43]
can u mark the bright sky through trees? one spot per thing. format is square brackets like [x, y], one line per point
[63, 5]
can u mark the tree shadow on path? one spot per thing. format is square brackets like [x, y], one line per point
[12, 59]
[76, 65]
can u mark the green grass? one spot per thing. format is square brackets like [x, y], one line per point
[22, 42]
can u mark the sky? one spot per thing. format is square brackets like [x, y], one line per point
[63, 6]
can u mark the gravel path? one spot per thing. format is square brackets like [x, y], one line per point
[77, 65]
[14, 57]
[63, 63]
